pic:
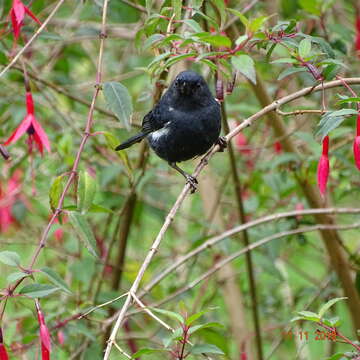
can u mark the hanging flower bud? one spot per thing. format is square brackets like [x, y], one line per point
[356, 146]
[323, 167]
[3, 352]
[44, 335]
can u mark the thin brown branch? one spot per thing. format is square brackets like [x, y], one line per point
[271, 107]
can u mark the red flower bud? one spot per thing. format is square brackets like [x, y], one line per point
[61, 337]
[356, 146]
[323, 167]
[278, 147]
[3, 352]
[44, 337]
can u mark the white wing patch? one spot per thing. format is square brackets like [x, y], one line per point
[156, 135]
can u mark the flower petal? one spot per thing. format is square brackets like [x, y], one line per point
[19, 11]
[20, 130]
[356, 148]
[45, 354]
[38, 142]
[15, 25]
[323, 173]
[30, 13]
[40, 135]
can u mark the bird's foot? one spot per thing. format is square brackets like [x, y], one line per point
[192, 181]
[221, 141]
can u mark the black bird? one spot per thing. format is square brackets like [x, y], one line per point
[184, 124]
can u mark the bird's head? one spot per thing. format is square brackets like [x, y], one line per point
[190, 84]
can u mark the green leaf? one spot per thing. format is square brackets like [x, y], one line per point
[242, 18]
[151, 40]
[206, 349]
[84, 231]
[349, 100]
[220, 4]
[146, 351]
[55, 279]
[194, 317]
[330, 71]
[329, 304]
[177, 5]
[304, 48]
[257, 23]
[337, 356]
[10, 258]
[309, 315]
[55, 192]
[86, 191]
[38, 290]
[169, 338]
[290, 71]
[174, 59]
[311, 6]
[170, 314]
[193, 25]
[196, 328]
[284, 60]
[245, 65]
[332, 120]
[16, 276]
[119, 101]
[216, 40]
[95, 208]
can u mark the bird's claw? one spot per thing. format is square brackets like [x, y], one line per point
[192, 181]
[221, 141]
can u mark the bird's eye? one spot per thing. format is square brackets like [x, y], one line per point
[177, 83]
[198, 85]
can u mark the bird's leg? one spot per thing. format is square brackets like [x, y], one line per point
[189, 179]
[221, 141]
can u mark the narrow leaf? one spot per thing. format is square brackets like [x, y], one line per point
[10, 258]
[86, 191]
[119, 101]
[170, 314]
[84, 231]
[55, 192]
[328, 305]
[55, 279]
[206, 349]
[38, 290]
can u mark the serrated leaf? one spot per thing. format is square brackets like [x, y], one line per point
[170, 314]
[119, 101]
[290, 71]
[55, 279]
[55, 192]
[84, 231]
[245, 65]
[206, 349]
[304, 48]
[329, 304]
[10, 258]
[16, 276]
[38, 290]
[86, 191]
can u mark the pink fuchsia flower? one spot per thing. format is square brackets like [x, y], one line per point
[323, 167]
[3, 352]
[44, 336]
[32, 127]
[17, 15]
[357, 30]
[8, 196]
[356, 146]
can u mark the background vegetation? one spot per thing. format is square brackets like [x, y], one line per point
[271, 230]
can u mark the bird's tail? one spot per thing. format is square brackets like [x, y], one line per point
[134, 139]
